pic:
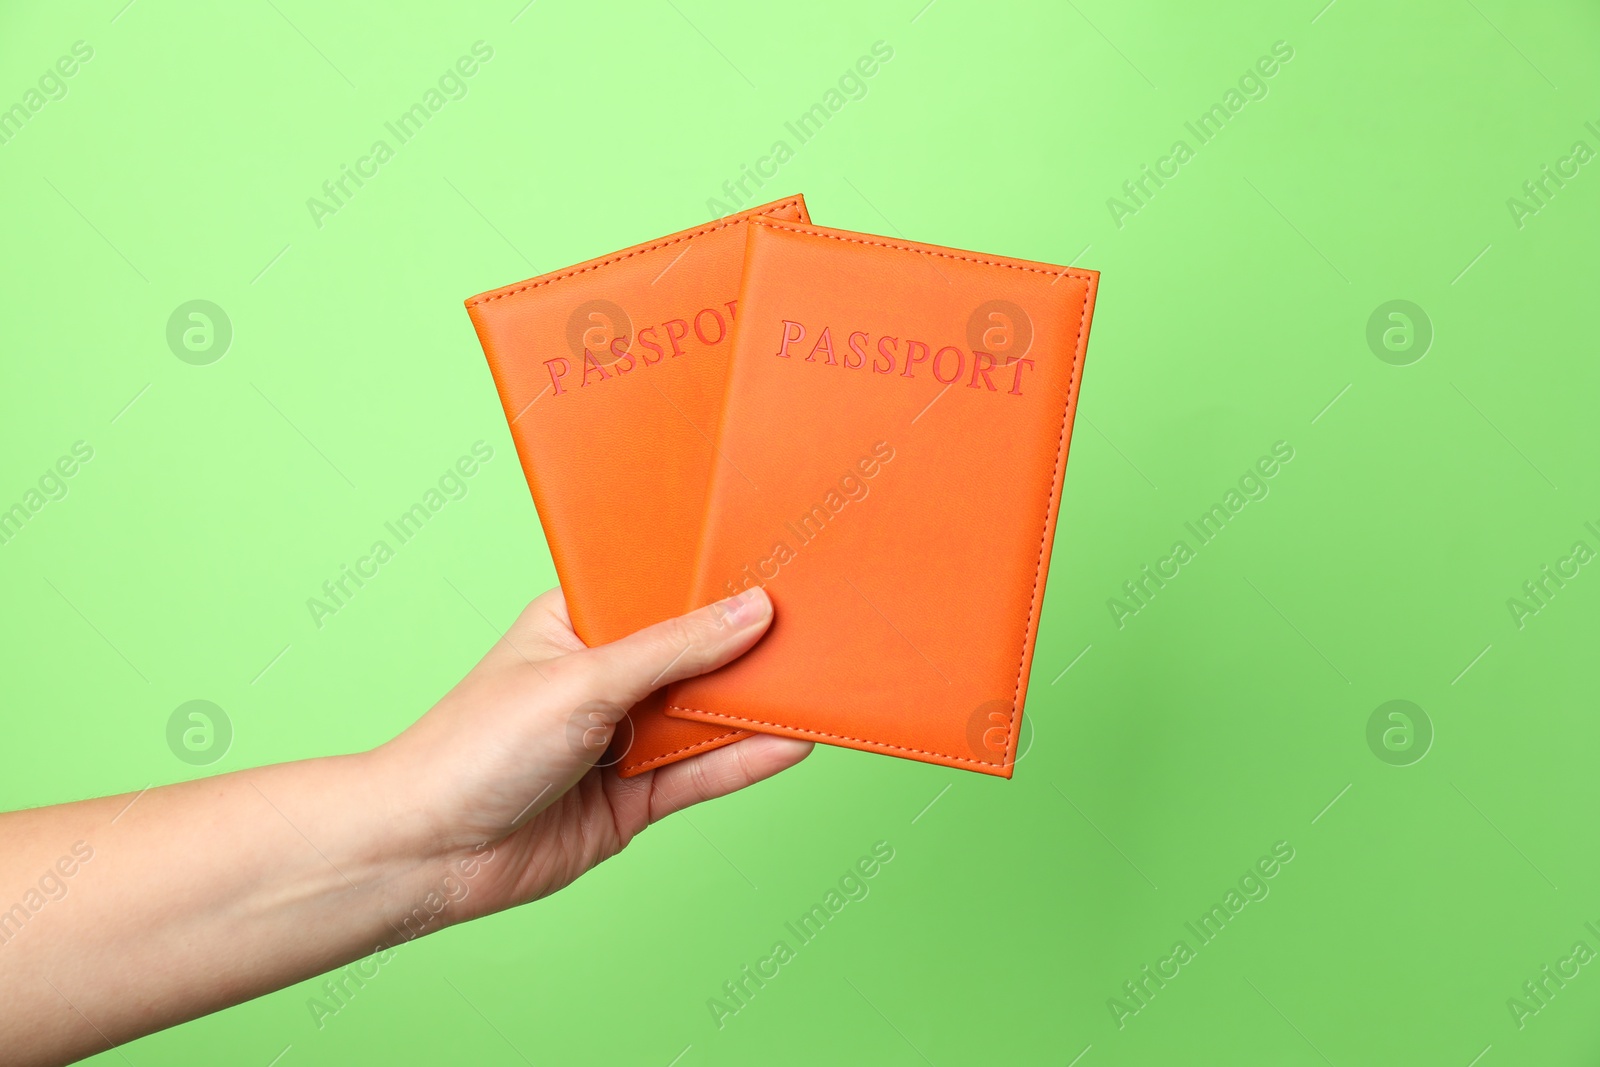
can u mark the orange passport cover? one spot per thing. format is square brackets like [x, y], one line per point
[889, 468]
[612, 375]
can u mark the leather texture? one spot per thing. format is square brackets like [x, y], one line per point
[612, 374]
[889, 466]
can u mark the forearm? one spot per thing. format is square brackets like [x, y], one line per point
[129, 914]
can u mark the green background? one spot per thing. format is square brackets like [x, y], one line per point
[1227, 715]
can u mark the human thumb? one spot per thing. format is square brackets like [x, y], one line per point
[623, 672]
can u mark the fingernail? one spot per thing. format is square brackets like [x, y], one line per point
[747, 607]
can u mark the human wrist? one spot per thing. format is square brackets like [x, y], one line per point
[364, 839]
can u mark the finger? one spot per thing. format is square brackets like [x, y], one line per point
[553, 604]
[545, 619]
[722, 771]
[624, 672]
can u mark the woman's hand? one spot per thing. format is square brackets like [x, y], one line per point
[504, 765]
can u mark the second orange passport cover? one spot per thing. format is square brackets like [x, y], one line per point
[612, 375]
[889, 467]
